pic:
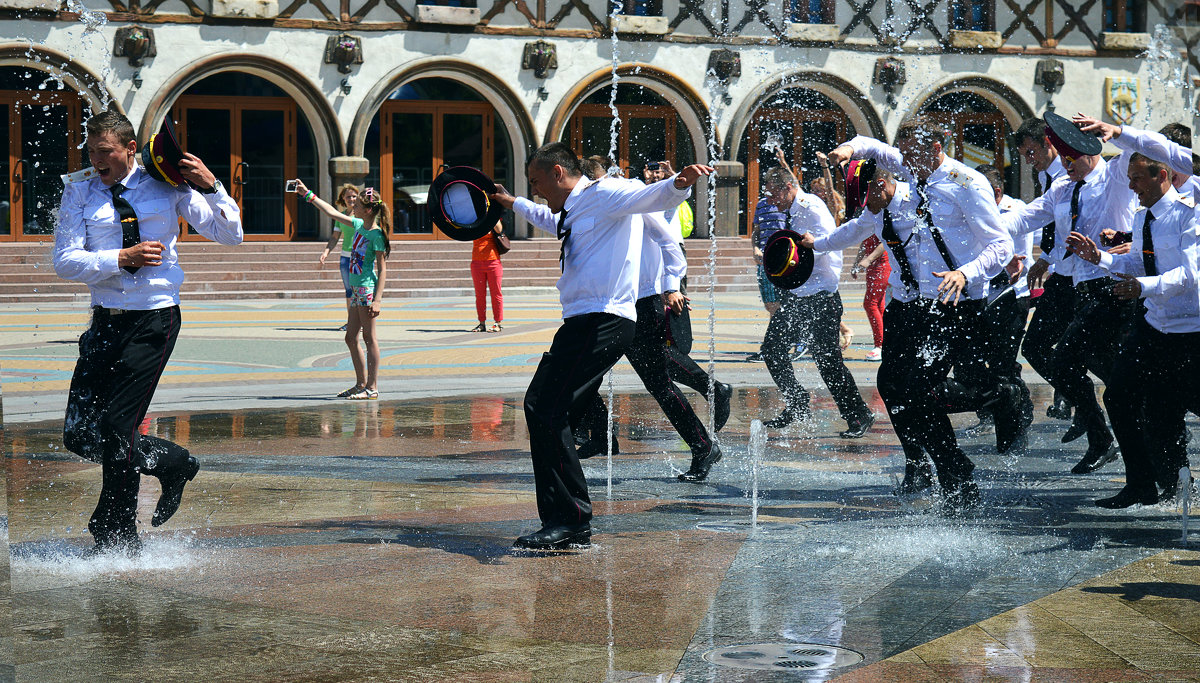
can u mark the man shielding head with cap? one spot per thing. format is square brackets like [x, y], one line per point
[117, 230]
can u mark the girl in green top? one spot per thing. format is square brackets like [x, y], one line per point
[343, 232]
[370, 218]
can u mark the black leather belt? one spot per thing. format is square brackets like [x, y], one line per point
[1100, 285]
[100, 310]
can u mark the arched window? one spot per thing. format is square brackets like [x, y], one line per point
[424, 126]
[799, 121]
[42, 131]
[251, 136]
[649, 129]
[978, 133]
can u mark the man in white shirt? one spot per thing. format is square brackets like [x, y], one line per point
[810, 314]
[961, 246]
[1094, 197]
[117, 232]
[601, 262]
[1055, 307]
[1153, 379]
[1172, 145]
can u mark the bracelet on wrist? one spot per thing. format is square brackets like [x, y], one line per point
[309, 197]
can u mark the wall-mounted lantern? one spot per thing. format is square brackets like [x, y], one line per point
[136, 44]
[540, 57]
[889, 74]
[1049, 75]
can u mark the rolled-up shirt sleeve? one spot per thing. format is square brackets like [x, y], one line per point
[72, 259]
[216, 216]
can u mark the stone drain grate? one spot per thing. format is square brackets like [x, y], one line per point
[811, 657]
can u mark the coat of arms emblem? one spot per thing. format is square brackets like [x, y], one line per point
[1121, 98]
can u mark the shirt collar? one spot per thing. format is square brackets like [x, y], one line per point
[130, 180]
[1055, 170]
[1092, 177]
[902, 194]
[573, 198]
[1164, 203]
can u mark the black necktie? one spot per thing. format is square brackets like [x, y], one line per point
[563, 234]
[1074, 218]
[922, 202]
[1148, 246]
[130, 236]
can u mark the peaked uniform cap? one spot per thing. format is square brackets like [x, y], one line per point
[787, 263]
[459, 204]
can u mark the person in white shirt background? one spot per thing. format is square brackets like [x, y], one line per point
[601, 262]
[1153, 379]
[117, 233]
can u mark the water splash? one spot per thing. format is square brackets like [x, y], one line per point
[1168, 81]
[758, 444]
[61, 560]
[1185, 499]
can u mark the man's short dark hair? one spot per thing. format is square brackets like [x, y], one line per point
[993, 175]
[1178, 133]
[923, 128]
[110, 121]
[592, 168]
[556, 154]
[1154, 167]
[1032, 129]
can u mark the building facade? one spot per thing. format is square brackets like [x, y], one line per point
[389, 92]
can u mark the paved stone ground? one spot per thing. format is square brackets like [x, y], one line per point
[328, 540]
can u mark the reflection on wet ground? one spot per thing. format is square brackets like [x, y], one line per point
[372, 541]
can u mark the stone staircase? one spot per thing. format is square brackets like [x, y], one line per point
[258, 270]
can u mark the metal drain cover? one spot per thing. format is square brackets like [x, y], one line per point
[744, 526]
[800, 657]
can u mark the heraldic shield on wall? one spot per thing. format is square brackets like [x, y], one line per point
[1121, 98]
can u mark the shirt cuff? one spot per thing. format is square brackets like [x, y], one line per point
[670, 283]
[109, 261]
[1150, 285]
[1106, 260]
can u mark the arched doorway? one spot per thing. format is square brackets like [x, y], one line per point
[251, 136]
[42, 139]
[648, 129]
[800, 121]
[980, 114]
[424, 126]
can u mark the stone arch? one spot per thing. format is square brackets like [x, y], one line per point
[82, 80]
[854, 102]
[312, 103]
[1014, 107]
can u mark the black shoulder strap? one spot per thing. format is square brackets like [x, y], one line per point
[892, 239]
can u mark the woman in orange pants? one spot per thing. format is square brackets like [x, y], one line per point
[486, 272]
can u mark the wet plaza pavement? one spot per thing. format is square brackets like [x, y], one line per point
[372, 541]
[340, 541]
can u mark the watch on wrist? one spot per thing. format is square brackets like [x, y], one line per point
[215, 187]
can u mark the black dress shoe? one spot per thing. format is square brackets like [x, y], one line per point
[556, 537]
[1128, 497]
[1006, 412]
[857, 428]
[722, 396]
[1077, 429]
[917, 478]
[789, 415]
[1096, 457]
[985, 426]
[596, 447]
[701, 465]
[962, 498]
[172, 491]
[1059, 410]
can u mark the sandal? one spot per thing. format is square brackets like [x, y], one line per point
[364, 395]
[496, 327]
[351, 391]
[479, 328]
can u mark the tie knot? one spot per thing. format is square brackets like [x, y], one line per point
[117, 189]
[1149, 216]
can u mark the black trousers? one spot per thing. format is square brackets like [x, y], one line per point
[1053, 312]
[1151, 388]
[1003, 326]
[121, 357]
[812, 320]
[1090, 343]
[584, 348]
[680, 365]
[921, 341]
[650, 359]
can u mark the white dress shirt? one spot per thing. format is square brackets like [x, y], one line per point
[962, 205]
[602, 257]
[1105, 202]
[89, 238]
[903, 210]
[663, 263]
[1022, 244]
[1052, 173]
[809, 213]
[1172, 296]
